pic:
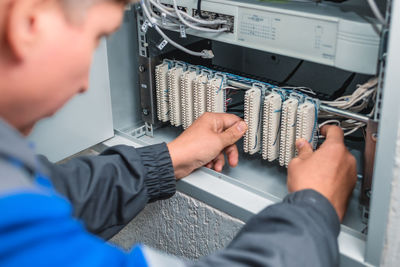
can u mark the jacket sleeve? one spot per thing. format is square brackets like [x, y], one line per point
[300, 231]
[109, 190]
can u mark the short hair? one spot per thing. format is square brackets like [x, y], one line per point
[70, 6]
[117, 1]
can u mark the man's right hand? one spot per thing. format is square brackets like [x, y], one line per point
[331, 170]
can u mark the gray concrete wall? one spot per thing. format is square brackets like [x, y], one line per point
[181, 226]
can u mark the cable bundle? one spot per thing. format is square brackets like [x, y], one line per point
[172, 18]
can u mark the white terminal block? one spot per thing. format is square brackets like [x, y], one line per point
[252, 107]
[216, 95]
[187, 90]
[175, 106]
[200, 95]
[306, 124]
[162, 92]
[271, 126]
[288, 131]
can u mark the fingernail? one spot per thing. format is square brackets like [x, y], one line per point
[242, 126]
[300, 143]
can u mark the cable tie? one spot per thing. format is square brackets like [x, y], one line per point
[162, 45]
[182, 31]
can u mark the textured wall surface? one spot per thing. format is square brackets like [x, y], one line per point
[391, 252]
[181, 226]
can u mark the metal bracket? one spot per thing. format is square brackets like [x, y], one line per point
[369, 158]
[142, 39]
[147, 88]
[149, 129]
[146, 129]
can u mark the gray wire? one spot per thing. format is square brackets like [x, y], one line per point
[376, 11]
[153, 21]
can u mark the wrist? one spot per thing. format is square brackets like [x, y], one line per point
[178, 162]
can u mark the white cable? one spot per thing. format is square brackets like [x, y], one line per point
[363, 93]
[356, 127]
[302, 89]
[194, 26]
[337, 122]
[376, 11]
[352, 131]
[166, 10]
[162, 8]
[203, 54]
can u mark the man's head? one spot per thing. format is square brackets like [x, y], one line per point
[46, 48]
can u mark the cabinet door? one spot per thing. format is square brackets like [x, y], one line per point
[83, 122]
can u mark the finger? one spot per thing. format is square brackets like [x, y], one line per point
[304, 148]
[332, 133]
[210, 165]
[233, 134]
[232, 154]
[219, 162]
[226, 120]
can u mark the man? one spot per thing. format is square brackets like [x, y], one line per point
[45, 54]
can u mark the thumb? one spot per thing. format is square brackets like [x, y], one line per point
[233, 134]
[304, 148]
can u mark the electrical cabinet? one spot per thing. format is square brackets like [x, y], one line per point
[266, 48]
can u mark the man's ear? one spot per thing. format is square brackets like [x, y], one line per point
[21, 31]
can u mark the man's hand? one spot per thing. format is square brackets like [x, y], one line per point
[331, 170]
[205, 142]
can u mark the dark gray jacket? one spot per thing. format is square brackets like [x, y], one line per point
[107, 191]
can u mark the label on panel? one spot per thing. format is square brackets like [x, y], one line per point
[291, 35]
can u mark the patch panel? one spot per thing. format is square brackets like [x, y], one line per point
[288, 131]
[200, 94]
[252, 107]
[306, 125]
[276, 117]
[162, 91]
[174, 92]
[271, 126]
[216, 95]
[187, 87]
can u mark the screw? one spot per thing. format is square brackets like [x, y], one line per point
[145, 111]
[142, 68]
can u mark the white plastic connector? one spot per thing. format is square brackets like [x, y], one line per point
[215, 95]
[162, 92]
[207, 54]
[271, 126]
[288, 131]
[174, 81]
[187, 97]
[306, 122]
[200, 95]
[252, 106]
